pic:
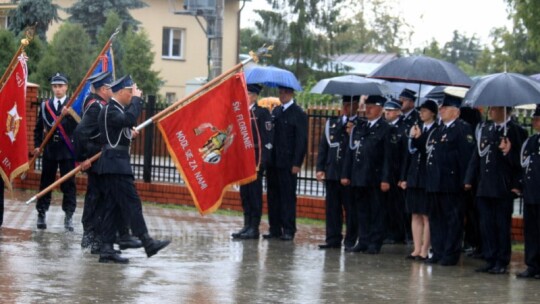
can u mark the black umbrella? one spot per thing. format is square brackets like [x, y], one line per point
[422, 70]
[503, 90]
[349, 85]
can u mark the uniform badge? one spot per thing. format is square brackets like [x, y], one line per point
[394, 139]
[470, 138]
[334, 125]
[331, 137]
[268, 125]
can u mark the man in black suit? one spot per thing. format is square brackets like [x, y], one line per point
[450, 149]
[334, 142]
[530, 162]
[494, 168]
[368, 168]
[251, 194]
[288, 152]
[58, 152]
[408, 109]
[396, 224]
[116, 121]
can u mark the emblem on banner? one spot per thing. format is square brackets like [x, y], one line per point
[217, 143]
[12, 123]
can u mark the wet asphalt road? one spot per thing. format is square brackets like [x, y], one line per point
[203, 265]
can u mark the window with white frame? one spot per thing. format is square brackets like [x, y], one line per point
[173, 43]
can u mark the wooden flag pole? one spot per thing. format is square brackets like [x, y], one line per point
[254, 57]
[73, 97]
[29, 33]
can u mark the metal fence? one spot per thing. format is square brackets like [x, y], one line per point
[152, 163]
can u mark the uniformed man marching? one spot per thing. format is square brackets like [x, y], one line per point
[530, 162]
[87, 145]
[449, 151]
[288, 152]
[58, 152]
[251, 194]
[494, 167]
[332, 147]
[367, 168]
[408, 108]
[116, 121]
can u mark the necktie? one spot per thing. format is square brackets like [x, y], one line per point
[425, 129]
[57, 104]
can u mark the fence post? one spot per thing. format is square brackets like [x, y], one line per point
[149, 140]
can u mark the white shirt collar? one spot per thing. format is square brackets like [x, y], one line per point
[449, 123]
[405, 115]
[429, 126]
[288, 104]
[374, 121]
[118, 103]
[394, 122]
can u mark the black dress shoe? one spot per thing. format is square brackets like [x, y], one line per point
[236, 235]
[498, 270]
[41, 224]
[109, 255]
[271, 236]
[485, 268]
[357, 248]
[151, 247]
[527, 274]
[411, 257]
[432, 260]
[420, 258]
[287, 237]
[328, 246]
[250, 234]
[87, 239]
[129, 242]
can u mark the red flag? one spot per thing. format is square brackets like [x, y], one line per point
[211, 143]
[13, 145]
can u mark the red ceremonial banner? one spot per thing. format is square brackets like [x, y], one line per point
[211, 143]
[13, 146]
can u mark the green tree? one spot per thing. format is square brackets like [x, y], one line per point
[41, 13]
[462, 48]
[92, 14]
[137, 61]
[8, 49]
[68, 53]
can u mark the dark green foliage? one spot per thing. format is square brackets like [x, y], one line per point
[8, 49]
[92, 14]
[69, 53]
[34, 12]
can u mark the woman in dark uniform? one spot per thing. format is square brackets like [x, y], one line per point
[414, 180]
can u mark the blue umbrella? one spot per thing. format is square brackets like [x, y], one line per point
[272, 77]
[349, 85]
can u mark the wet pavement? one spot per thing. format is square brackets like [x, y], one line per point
[203, 265]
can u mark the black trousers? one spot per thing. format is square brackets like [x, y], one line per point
[531, 218]
[339, 199]
[48, 176]
[446, 226]
[1, 201]
[495, 227]
[395, 215]
[121, 199]
[472, 221]
[93, 203]
[251, 196]
[370, 216]
[281, 201]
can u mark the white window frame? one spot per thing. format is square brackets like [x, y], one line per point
[170, 43]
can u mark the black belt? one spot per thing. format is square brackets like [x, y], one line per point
[119, 147]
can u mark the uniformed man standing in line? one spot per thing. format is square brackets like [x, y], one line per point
[332, 147]
[495, 168]
[116, 121]
[408, 108]
[530, 162]
[449, 151]
[368, 168]
[58, 152]
[251, 194]
[288, 152]
[394, 200]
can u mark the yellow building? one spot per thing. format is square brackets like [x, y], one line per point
[178, 41]
[5, 7]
